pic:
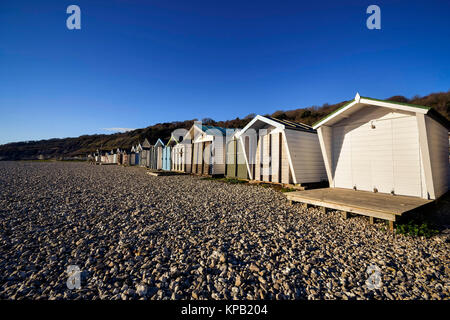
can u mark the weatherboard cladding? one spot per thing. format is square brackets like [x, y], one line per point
[231, 161]
[159, 157]
[178, 161]
[136, 159]
[276, 141]
[208, 146]
[175, 158]
[187, 159]
[359, 152]
[146, 144]
[236, 166]
[191, 159]
[438, 145]
[182, 156]
[168, 155]
[286, 152]
[144, 153]
[166, 165]
[306, 156]
[380, 148]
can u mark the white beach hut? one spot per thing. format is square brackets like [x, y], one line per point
[144, 158]
[158, 149]
[208, 150]
[282, 151]
[133, 156]
[387, 147]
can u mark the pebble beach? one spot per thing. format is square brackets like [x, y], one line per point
[136, 236]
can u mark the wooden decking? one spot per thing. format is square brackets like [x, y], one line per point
[374, 205]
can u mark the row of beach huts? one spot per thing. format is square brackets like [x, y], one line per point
[267, 149]
[369, 145]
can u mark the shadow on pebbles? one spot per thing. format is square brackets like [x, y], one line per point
[135, 236]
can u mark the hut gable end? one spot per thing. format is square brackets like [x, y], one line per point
[381, 146]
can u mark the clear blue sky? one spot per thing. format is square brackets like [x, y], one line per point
[136, 63]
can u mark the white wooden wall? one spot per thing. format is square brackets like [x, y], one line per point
[406, 156]
[306, 156]
[257, 176]
[159, 158]
[342, 160]
[206, 156]
[176, 157]
[325, 134]
[378, 148]
[304, 149]
[195, 161]
[438, 146]
[275, 157]
[286, 174]
[187, 158]
[266, 158]
[219, 155]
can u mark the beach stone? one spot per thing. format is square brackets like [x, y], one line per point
[136, 236]
[238, 281]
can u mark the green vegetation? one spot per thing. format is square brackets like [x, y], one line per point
[235, 181]
[417, 229]
[70, 147]
[428, 220]
[283, 189]
[226, 180]
[274, 186]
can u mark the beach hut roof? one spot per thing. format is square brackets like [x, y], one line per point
[205, 128]
[159, 143]
[172, 141]
[146, 144]
[359, 102]
[260, 121]
[201, 128]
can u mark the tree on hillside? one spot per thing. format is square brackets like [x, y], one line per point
[54, 148]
